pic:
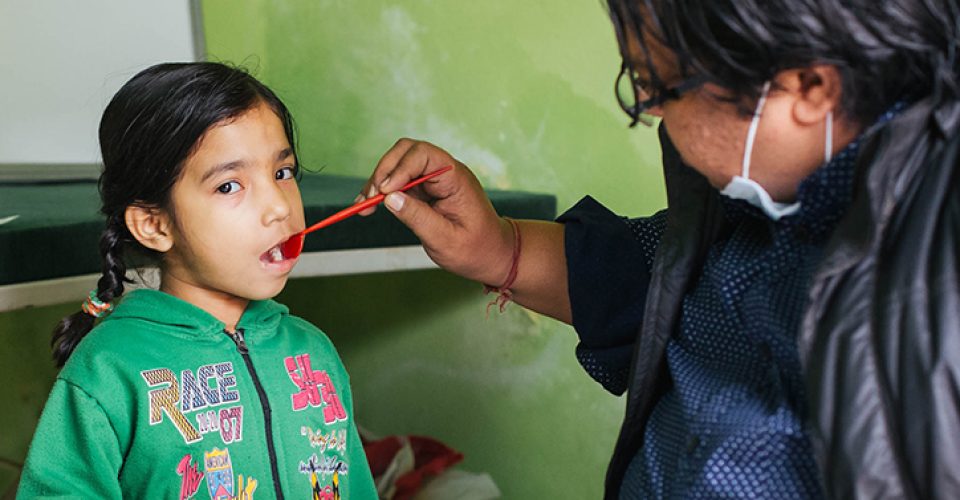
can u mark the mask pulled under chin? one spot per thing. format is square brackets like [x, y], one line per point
[748, 190]
[741, 187]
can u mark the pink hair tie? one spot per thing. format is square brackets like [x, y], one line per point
[504, 295]
[94, 306]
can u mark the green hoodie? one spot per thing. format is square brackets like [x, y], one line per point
[159, 401]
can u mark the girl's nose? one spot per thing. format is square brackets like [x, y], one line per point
[276, 205]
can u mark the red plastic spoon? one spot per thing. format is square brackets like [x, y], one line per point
[292, 247]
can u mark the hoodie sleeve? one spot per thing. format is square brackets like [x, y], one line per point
[608, 272]
[74, 452]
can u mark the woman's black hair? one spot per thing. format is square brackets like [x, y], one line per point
[148, 130]
[885, 50]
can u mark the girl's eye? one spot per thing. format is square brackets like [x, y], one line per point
[285, 173]
[228, 187]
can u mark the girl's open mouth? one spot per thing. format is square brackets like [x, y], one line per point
[277, 254]
[273, 255]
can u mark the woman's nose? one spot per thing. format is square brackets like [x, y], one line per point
[654, 111]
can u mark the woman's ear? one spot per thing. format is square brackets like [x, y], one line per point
[150, 226]
[816, 89]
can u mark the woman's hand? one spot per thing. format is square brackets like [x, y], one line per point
[462, 232]
[452, 216]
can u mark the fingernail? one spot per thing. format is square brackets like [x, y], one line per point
[372, 192]
[384, 183]
[358, 199]
[394, 201]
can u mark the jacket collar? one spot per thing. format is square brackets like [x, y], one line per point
[893, 153]
[182, 318]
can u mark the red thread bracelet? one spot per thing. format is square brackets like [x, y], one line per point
[504, 295]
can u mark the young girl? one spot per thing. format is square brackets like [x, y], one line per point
[205, 387]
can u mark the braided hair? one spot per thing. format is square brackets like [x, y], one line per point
[147, 132]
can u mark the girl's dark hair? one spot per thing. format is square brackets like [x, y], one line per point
[885, 50]
[151, 126]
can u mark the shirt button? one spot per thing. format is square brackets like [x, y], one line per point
[692, 444]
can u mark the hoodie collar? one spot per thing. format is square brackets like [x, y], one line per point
[184, 318]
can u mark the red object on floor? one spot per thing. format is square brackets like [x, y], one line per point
[431, 457]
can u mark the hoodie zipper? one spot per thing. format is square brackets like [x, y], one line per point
[237, 338]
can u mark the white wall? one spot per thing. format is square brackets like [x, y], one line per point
[62, 60]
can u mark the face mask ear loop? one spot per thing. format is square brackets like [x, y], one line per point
[828, 143]
[752, 131]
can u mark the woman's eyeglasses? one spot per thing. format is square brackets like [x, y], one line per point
[633, 96]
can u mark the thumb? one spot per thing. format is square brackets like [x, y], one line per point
[420, 217]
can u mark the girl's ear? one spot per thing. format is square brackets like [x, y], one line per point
[150, 226]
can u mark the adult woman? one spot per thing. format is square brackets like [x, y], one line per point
[788, 327]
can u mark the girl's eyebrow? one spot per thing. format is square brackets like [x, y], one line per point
[223, 167]
[238, 164]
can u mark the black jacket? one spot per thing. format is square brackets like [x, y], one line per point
[880, 338]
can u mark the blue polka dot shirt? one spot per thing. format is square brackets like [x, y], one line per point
[732, 424]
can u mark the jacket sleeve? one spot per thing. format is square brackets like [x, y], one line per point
[75, 452]
[608, 272]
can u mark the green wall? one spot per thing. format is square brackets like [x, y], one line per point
[27, 372]
[521, 92]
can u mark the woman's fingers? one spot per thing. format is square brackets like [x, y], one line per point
[419, 159]
[383, 169]
[431, 227]
[407, 160]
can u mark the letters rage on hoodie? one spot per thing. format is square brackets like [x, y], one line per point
[160, 401]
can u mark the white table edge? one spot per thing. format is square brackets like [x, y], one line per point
[312, 264]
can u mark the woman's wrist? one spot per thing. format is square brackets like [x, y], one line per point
[504, 260]
[490, 261]
[508, 257]
[503, 287]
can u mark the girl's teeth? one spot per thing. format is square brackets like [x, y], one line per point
[275, 254]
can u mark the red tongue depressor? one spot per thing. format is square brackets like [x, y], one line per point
[293, 246]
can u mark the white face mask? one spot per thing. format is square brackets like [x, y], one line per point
[742, 188]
